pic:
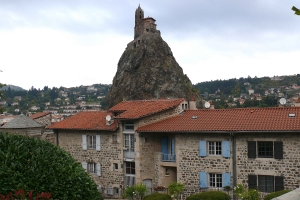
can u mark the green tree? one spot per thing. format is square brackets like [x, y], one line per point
[33, 164]
[135, 192]
[297, 11]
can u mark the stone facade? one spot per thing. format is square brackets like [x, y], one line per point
[45, 120]
[110, 153]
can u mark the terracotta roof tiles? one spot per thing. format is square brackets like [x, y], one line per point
[91, 120]
[39, 114]
[230, 120]
[140, 108]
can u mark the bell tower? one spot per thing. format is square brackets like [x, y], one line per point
[139, 15]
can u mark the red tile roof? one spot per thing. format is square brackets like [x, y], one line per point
[140, 108]
[38, 115]
[92, 120]
[230, 120]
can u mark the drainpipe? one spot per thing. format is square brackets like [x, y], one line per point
[233, 161]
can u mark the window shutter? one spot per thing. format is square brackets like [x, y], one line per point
[84, 142]
[173, 146]
[98, 169]
[251, 149]
[279, 183]
[226, 179]
[202, 148]
[226, 149]
[164, 145]
[84, 165]
[98, 143]
[252, 181]
[203, 179]
[278, 150]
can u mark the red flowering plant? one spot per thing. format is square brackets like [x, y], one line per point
[160, 187]
[20, 194]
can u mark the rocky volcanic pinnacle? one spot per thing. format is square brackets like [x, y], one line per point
[148, 70]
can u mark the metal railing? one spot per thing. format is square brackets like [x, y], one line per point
[168, 157]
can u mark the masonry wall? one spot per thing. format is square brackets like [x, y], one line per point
[288, 166]
[45, 120]
[109, 154]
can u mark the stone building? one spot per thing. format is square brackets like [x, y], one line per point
[157, 142]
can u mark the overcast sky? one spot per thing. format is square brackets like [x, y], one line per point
[71, 43]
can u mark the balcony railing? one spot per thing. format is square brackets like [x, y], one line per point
[129, 153]
[168, 157]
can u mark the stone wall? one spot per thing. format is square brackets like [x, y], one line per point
[288, 166]
[45, 120]
[109, 154]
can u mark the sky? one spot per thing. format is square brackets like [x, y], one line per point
[74, 42]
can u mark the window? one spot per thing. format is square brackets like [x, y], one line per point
[215, 180]
[266, 183]
[110, 191]
[116, 191]
[115, 139]
[91, 141]
[214, 148]
[265, 149]
[130, 168]
[91, 168]
[168, 149]
[129, 126]
[129, 141]
[116, 167]
[221, 148]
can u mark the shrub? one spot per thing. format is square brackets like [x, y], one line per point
[32, 164]
[157, 196]
[242, 193]
[137, 191]
[175, 189]
[209, 195]
[275, 194]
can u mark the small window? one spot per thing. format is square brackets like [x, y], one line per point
[215, 148]
[116, 167]
[115, 139]
[91, 140]
[129, 127]
[265, 149]
[110, 191]
[91, 168]
[215, 180]
[147, 30]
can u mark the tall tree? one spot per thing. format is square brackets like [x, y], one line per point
[297, 11]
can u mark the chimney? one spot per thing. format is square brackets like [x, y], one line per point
[192, 103]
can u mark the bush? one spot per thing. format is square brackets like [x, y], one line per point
[137, 191]
[157, 196]
[241, 192]
[209, 195]
[275, 194]
[175, 189]
[32, 164]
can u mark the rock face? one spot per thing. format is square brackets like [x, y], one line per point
[147, 69]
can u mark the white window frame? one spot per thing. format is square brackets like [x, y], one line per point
[91, 141]
[91, 168]
[214, 180]
[115, 166]
[214, 148]
[129, 141]
[110, 191]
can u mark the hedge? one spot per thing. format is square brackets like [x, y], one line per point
[32, 164]
[275, 194]
[157, 196]
[209, 195]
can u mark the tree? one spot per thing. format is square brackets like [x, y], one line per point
[297, 11]
[176, 189]
[1, 97]
[33, 164]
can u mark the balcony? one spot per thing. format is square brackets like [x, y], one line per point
[168, 157]
[129, 153]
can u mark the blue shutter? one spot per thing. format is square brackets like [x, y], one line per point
[226, 149]
[226, 179]
[202, 148]
[164, 145]
[203, 179]
[173, 146]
